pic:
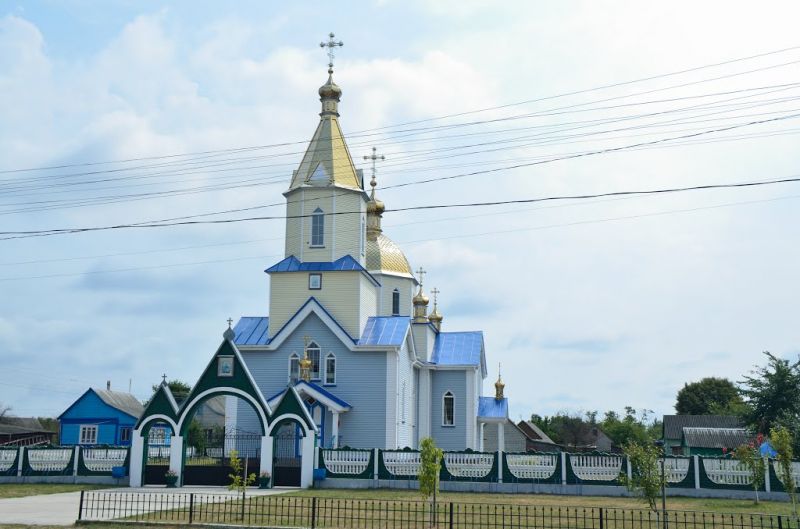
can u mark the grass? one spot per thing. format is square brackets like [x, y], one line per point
[673, 503]
[19, 490]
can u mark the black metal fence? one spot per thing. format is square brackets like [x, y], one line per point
[328, 513]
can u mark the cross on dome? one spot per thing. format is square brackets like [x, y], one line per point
[421, 272]
[374, 157]
[435, 293]
[331, 45]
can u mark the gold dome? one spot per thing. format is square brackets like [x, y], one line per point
[385, 256]
[498, 388]
[330, 90]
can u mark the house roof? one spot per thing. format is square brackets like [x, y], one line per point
[385, 330]
[533, 432]
[21, 425]
[251, 330]
[343, 264]
[458, 348]
[492, 408]
[124, 402]
[674, 424]
[715, 437]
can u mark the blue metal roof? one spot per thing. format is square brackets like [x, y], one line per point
[315, 387]
[293, 264]
[385, 330]
[458, 348]
[251, 330]
[490, 407]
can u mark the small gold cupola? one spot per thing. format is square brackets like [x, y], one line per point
[499, 386]
[420, 301]
[435, 318]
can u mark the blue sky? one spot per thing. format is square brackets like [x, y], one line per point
[589, 306]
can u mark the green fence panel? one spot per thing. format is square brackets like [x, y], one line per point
[98, 461]
[724, 473]
[48, 461]
[347, 462]
[469, 466]
[9, 461]
[595, 468]
[398, 464]
[539, 467]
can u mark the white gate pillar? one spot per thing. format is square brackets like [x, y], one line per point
[266, 455]
[137, 456]
[307, 460]
[176, 456]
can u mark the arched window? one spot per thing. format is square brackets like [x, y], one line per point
[318, 228]
[330, 368]
[294, 368]
[448, 409]
[395, 302]
[313, 355]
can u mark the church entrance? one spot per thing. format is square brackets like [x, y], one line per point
[208, 457]
[287, 454]
[156, 453]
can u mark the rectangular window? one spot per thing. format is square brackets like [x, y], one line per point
[294, 369]
[396, 303]
[313, 355]
[318, 228]
[88, 435]
[314, 281]
[125, 435]
[330, 369]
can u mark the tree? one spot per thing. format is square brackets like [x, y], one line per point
[631, 428]
[5, 411]
[781, 440]
[708, 396]
[645, 477]
[773, 393]
[749, 455]
[180, 389]
[430, 465]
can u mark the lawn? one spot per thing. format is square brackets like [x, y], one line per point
[18, 490]
[673, 503]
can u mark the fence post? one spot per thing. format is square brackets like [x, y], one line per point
[451, 515]
[20, 459]
[499, 457]
[375, 466]
[80, 507]
[75, 462]
[780, 522]
[563, 468]
[313, 512]
[767, 484]
[191, 507]
[601, 509]
[696, 471]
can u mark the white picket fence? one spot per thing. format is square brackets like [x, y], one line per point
[49, 459]
[346, 461]
[592, 467]
[402, 463]
[532, 466]
[795, 472]
[676, 469]
[103, 459]
[469, 465]
[727, 472]
[7, 459]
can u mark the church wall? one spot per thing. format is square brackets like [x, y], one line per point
[360, 381]
[350, 228]
[388, 283]
[368, 301]
[514, 438]
[424, 403]
[449, 437]
[294, 224]
[339, 293]
[405, 399]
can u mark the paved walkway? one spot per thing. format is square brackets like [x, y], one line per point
[62, 509]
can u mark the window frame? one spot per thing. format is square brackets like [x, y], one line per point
[125, 434]
[294, 358]
[395, 302]
[452, 397]
[318, 283]
[83, 434]
[314, 347]
[330, 356]
[317, 229]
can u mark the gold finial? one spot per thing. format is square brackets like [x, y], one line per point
[305, 362]
[331, 45]
[435, 318]
[498, 386]
[420, 301]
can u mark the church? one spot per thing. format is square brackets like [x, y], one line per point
[351, 328]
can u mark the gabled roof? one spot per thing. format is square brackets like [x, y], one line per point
[252, 330]
[715, 437]
[124, 402]
[492, 408]
[21, 425]
[319, 393]
[345, 263]
[385, 330]
[674, 424]
[458, 348]
[533, 432]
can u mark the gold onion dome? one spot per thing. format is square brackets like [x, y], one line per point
[498, 388]
[382, 253]
[330, 90]
[421, 298]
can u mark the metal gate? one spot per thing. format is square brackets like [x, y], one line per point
[208, 460]
[286, 456]
[156, 464]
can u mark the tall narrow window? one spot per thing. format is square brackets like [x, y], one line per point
[313, 355]
[448, 409]
[363, 236]
[294, 368]
[396, 302]
[330, 368]
[318, 228]
[403, 400]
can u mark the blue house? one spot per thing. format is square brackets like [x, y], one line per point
[100, 417]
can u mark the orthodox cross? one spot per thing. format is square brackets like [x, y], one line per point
[374, 157]
[331, 45]
[164, 378]
[230, 321]
[435, 293]
[421, 272]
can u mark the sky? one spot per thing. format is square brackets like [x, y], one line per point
[592, 304]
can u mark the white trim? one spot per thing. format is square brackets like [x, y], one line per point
[313, 345]
[302, 242]
[472, 401]
[453, 396]
[87, 428]
[318, 215]
[325, 380]
[312, 306]
[292, 356]
[226, 389]
[297, 395]
[157, 417]
[311, 392]
[333, 227]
